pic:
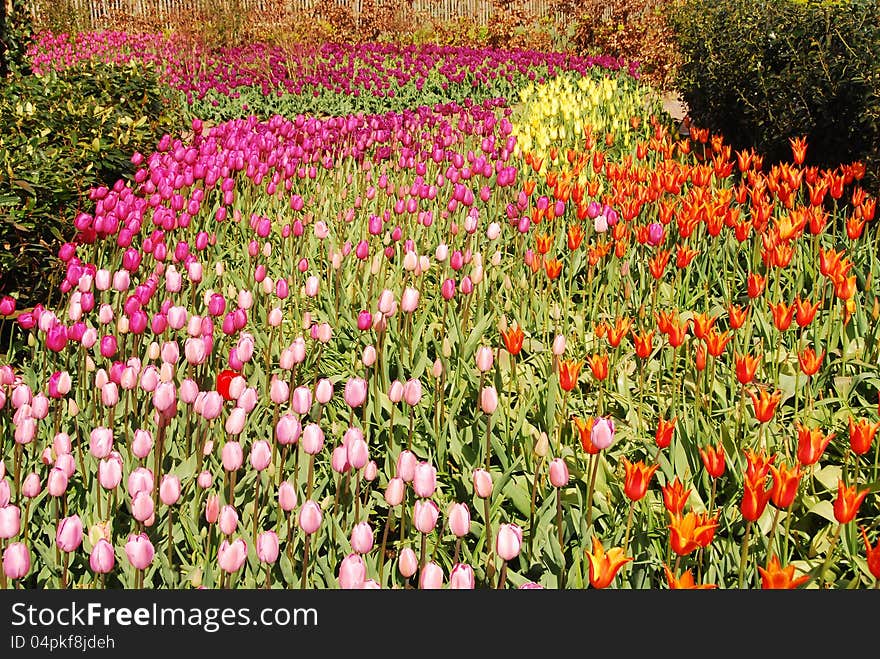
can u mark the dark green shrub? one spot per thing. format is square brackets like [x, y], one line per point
[762, 72]
[61, 135]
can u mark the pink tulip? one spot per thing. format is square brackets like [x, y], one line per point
[30, 487]
[362, 538]
[482, 483]
[139, 551]
[142, 443]
[261, 455]
[355, 392]
[103, 558]
[324, 391]
[508, 542]
[169, 489]
[602, 434]
[4, 491]
[431, 577]
[371, 470]
[407, 562]
[461, 577]
[212, 509]
[424, 479]
[69, 533]
[140, 480]
[459, 520]
[288, 429]
[558, 473]
[406, 465]
[412, 392]
[228, 519]
[56, 483]
[16, 560]
[142, 507]
[310, 517]
[232, 456]
[267, 547]
[235, 421]
[312, 440]
[213, 405]
[110, 473]
[286, 496]
[66, 463]
[352, 573]
[61, 444]
[302, 400]
[395, 392]
[484, 358]
[394, 491]
[425, 514]
[279, 391]
[204, 480]
[339, 460]
[101, 442]
[409, 301]
[10, 522]
[488, 400]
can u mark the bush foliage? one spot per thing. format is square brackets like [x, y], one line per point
[764, 72]
[63, 134]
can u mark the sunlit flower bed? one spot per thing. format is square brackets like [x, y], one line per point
[405, 351]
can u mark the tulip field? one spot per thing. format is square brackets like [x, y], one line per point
[436, 318]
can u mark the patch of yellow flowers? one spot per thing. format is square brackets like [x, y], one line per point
[554, 113]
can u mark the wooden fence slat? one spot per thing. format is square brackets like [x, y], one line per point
[100, 13]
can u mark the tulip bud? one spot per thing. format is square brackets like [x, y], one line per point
[362, 538]
[431, 577]
[407, 562]
[482, 483]
[267, 547]
[424, 479]
[459, 520]
[310, 517]
[461, 577]
[508, 542]
[558, 473]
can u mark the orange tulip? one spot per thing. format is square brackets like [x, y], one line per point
[675, 496]
[746, 367]
[553, 267]
[665, 428]
[685, 581]
[700, 357]
[638, 476]
[620, 329]
[755, 284]
[657, 263]
[754, 499]
[774, 576]
[677, 332]
[598, 365]
[604, 566]
[798, 149]
[691, 531]
[684, 256]
[861, 434]
[811, 444]
[737, 315]
[785, 484]
[847, 503]
[810, 361]
[872, 554]
[575, 236]
[568, 373]
[703, 323]
[714, 460]
[782, 315]
[643, 343]
[765, 404]
[804, 311]
[758, 464]
[513, 338]
[543, 242]
[829, 261]
[715, 342]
